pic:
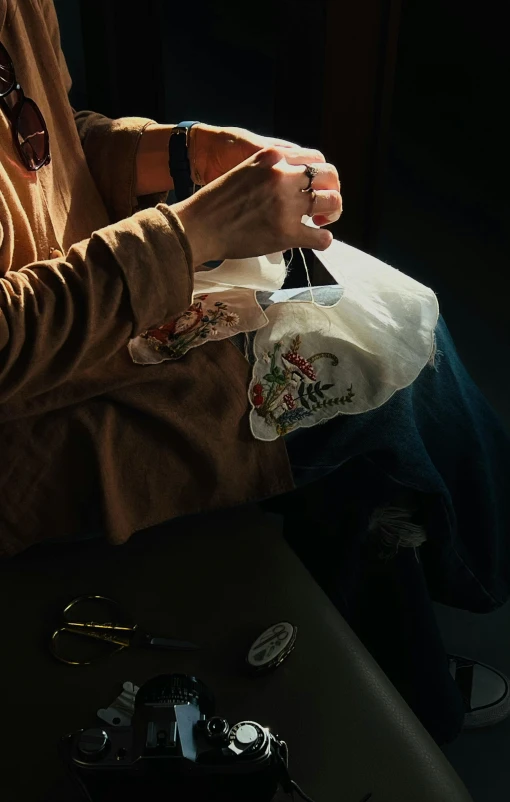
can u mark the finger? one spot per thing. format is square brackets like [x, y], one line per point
[267, 157]
[297, 155]
[320, 220]
[316, 238]
[325, 203]
[284, 143]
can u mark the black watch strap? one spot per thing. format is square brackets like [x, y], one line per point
[178, 160]
[178, 163]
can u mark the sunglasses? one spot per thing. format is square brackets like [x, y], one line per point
[29, 131]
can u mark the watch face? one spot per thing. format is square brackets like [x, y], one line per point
[272, 647]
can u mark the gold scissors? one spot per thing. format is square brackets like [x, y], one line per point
[107, 628]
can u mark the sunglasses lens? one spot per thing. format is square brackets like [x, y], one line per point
[32, 135]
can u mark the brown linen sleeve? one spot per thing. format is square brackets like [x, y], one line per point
[110, 148]
[61, 316]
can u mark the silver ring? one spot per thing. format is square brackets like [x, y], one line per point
[311, 172]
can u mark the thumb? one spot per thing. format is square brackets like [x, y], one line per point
[268, 157]
[318, 239]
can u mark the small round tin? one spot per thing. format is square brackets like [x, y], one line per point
[272, 647]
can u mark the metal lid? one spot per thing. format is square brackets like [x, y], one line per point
[272, 647]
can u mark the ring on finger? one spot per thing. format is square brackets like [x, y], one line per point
[310, 172]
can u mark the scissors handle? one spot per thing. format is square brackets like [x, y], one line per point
[111, 635]
[118, 636]
[110, 626]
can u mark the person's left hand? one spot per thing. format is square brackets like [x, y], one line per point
[214, 151]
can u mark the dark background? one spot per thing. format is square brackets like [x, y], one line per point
[408, 98]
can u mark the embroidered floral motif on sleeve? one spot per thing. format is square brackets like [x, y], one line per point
[212, 316]
[177, 336]
[291, 390]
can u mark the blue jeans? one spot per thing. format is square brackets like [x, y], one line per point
[440, 439]
[439, 443]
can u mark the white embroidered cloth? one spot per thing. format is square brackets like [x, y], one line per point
[312, 362]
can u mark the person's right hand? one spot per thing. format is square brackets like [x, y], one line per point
[256, 209]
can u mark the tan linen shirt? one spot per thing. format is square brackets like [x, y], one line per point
[83, 269]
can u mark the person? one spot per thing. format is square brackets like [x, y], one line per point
[91, 256]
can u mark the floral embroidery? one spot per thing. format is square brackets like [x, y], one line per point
[173, 339]
[292, 391]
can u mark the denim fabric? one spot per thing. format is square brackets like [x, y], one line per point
[440, 438]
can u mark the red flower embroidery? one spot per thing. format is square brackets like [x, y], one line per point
[168, 327]
[289, 401]
[257, 390]
[301, 364]
[158, 334]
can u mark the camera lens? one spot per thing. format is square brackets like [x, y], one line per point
[176, 689]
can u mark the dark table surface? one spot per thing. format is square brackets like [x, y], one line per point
[219, 580]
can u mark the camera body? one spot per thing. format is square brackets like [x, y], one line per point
[176, 746]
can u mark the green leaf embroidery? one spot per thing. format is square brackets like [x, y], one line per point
[327, 386]
[305, 403]
[318, 390]
[301, 389]
[269, 377]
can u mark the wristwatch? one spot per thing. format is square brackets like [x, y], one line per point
[178, 160]
[178, 163]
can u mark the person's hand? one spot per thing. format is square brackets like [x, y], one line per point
[215, 151]
[256, 209]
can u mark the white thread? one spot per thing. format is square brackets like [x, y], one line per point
[308, 277]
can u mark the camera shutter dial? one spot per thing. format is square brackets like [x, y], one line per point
[248, 738]
[246, 735]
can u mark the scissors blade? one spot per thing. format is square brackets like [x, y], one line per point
[146, 639]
